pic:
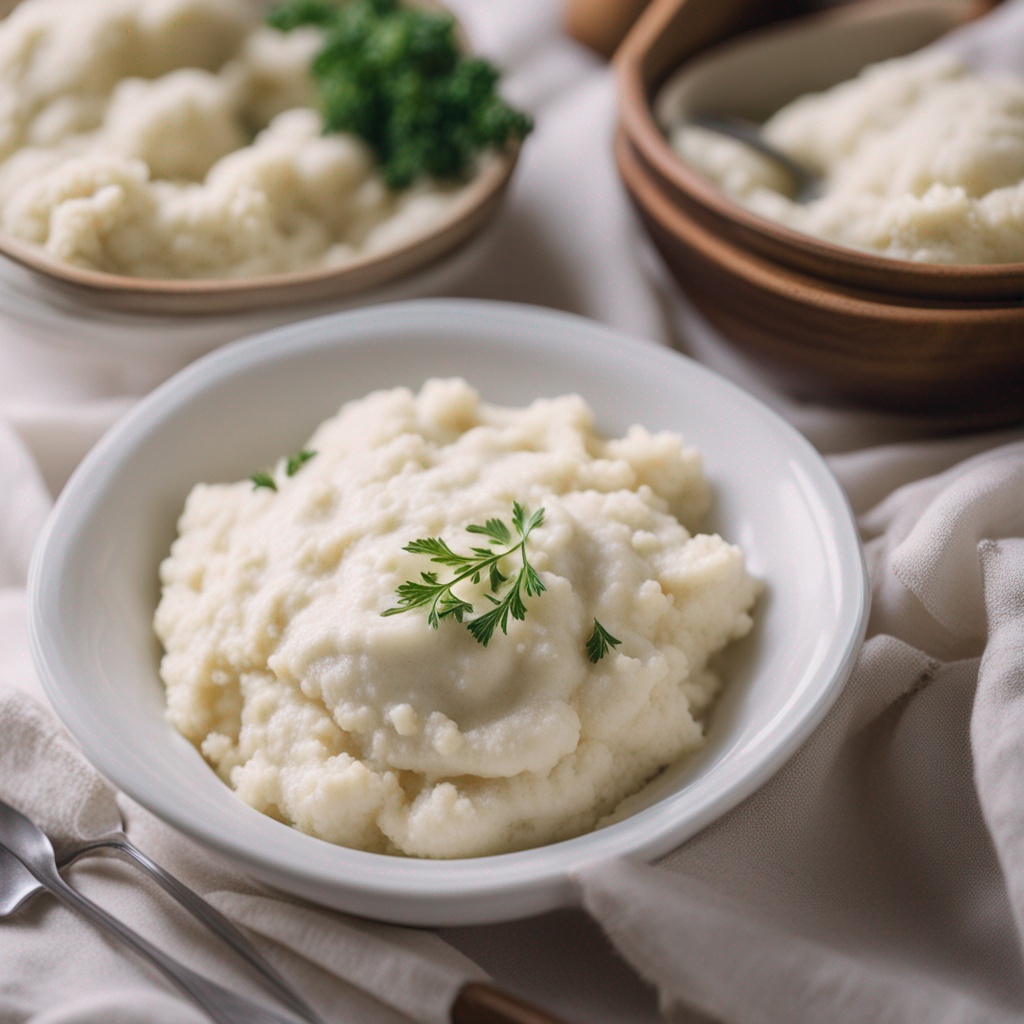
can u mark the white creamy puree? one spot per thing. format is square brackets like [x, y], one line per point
[384, 734]
[176, 138]
[923, 160]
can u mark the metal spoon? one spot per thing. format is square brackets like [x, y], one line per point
[17, 883]
[807, 183]
[24, 844]
[476, 1003]
[202, 911]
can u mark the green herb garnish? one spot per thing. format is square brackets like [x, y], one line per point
[600, 639]
[292, 466]
[262, 479]
[443, 603]
[297, 461]
[394, 76]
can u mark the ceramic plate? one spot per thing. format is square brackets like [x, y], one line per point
[94, 581]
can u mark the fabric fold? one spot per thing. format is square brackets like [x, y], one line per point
[997, 721]
[680, 935]
[24, 506]
[414, 972]
[873, 876]
[877, 878]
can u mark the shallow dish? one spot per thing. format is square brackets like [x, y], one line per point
[94, 582]
[468, 214]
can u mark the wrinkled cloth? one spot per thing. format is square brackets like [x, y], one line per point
[46, 777]
[878, 877]
[894, 894]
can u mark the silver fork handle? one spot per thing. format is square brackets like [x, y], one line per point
[223, 1005]
[209, 916]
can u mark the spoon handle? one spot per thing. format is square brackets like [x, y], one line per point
[749, 133]
[212, 918]
[221, 1004]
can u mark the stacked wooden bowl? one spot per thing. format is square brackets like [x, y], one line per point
[823, 320]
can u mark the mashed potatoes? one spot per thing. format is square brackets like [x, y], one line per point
[922, 159]
[176, 138]
[384, 734]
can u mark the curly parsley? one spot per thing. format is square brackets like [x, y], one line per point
[394, 76]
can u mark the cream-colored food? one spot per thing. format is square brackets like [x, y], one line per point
[923, 160]
[177, 139]
[383, 734]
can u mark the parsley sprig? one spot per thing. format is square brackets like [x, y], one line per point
[297, 461]
[430, 592]
[394, 75]
[292, 466]
[599, 643]
[443, 603]
[263, 479]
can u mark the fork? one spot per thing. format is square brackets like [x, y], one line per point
[202, 911]
[28, 864]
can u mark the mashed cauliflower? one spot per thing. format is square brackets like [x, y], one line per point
[383, 734]
[177, 139]
[922, 159]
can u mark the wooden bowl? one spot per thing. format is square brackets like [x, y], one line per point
[470, 212]
[467, 216]
[963, 361]
[718, 67]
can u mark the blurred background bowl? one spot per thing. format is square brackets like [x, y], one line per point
[466, 217]
[822, 319]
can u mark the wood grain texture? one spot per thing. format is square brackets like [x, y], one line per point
[962, 361]
[824, 321]
[674, 31]
[478, 1003]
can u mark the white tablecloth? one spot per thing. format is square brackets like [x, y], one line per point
[878, 877]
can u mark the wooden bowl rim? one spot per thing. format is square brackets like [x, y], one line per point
[784, 282]
[476, 204]
[638, 121]
[375, 268]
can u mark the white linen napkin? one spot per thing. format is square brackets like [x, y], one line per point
[877, 877]
[45, 776]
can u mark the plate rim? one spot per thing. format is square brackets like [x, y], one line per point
[460, 890]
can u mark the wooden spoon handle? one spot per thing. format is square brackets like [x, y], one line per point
[479, 1003]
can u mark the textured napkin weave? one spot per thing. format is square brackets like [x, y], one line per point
[878, 877]
[417, 974]
[43, 775]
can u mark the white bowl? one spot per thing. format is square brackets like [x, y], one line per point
[94, 587]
